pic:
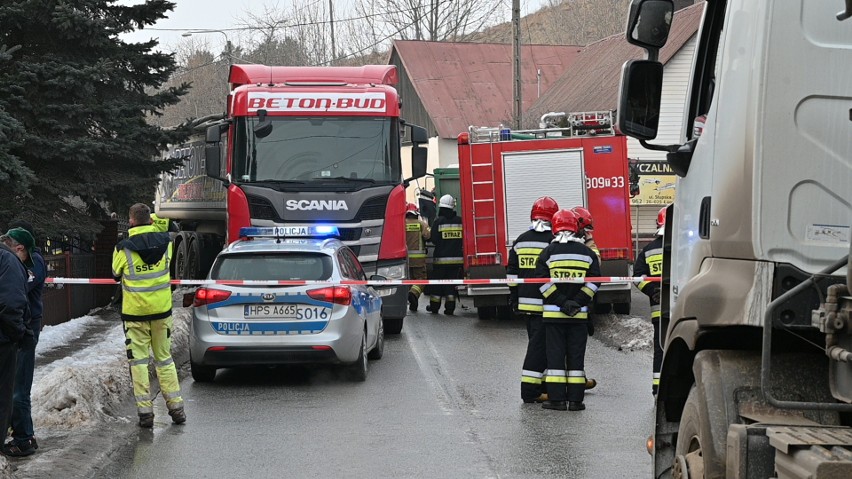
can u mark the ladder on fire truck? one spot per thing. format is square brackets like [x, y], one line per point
[484, 222]
[552, 125]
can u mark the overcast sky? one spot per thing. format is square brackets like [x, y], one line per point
[223, 14]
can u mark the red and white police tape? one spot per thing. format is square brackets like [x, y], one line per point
[387, 282]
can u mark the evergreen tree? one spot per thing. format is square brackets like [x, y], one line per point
[14, 176]
[79, 97]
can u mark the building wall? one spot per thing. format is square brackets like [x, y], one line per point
[675, 85]
[443, 153]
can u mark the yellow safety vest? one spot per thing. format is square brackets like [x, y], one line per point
[146, 288]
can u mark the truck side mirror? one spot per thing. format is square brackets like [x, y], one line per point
[649, 22]
[213, 151]
[418, 161]
[418, 135]
[639, 98]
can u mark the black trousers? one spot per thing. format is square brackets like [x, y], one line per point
[566, 344]
[446, 292]
[8, 368]
[658, 354]
[535, 362]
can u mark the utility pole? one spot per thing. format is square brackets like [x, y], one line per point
[331, 22]
[516, 63]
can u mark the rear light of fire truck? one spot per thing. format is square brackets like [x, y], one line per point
[487, 259]
[614, 253]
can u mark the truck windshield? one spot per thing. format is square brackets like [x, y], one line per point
[351, 151]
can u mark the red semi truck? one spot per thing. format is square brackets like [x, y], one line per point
[299, 146]
[502, 172]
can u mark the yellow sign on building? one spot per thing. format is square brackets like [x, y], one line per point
[656, 184]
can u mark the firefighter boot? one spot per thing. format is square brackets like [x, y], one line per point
[450, 306]
[178, 415]
[412, 301]
[590, 383]
[146, 419]
[555, 405]
[576, 406]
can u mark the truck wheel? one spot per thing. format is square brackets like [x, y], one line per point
[180, 260]
[392, 325]
[504, 313]
[193, 260]
[692, 434]
[486, 312]
[621, 308]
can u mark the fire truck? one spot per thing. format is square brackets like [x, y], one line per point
[577, 159]
[299, 146]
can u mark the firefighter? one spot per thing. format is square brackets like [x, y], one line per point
[416, 233]
[649, 262]
[566, 311]
[141, 264]
[526, 298]
[447, 259]
[587, 224]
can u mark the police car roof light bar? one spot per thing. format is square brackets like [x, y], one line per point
[318, 231]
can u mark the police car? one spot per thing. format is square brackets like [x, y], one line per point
[245, 324]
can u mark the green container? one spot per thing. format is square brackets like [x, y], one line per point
[447, 183]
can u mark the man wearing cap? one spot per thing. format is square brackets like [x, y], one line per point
[13, 307]
[141, 263]
[21, 240]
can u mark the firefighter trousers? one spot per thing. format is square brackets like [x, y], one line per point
[658, 356]
[141, 337]
[535, 362]
[566, 344]
[446, 292]
[416, 272]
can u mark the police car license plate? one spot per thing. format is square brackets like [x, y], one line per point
[285, 311]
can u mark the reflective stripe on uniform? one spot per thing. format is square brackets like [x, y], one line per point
[145, 289]
[539, 245]
[590, 289]
[554, 312]
[161, 364]
[449, 260]
[531, 377]
[534, 305]
[547, 289]
[656, 380]
[570, 257]
[412, 226]
[555, 376]
[576, 377]
[139, 362]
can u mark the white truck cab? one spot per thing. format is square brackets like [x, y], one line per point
[756, 378]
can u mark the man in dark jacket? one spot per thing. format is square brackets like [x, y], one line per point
[447, 258]
[22, 241]
[13, 307]
[566, 311]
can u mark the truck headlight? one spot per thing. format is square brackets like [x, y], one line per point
[396, 271]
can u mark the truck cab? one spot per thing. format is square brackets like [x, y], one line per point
[756, 378]
[302, 146]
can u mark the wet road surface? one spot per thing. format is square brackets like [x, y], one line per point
[443, 402]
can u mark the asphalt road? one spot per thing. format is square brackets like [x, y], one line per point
[443, 402]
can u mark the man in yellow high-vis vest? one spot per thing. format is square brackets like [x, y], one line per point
[141, 263]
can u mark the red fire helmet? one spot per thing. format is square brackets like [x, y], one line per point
[564, 220]
[544, 208]
[411, 208]
[661, 217]
[584, 218]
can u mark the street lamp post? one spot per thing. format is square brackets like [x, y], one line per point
[228, 54]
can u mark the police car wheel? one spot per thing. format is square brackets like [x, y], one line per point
[201, 374]
[357, 371]
[379, 349]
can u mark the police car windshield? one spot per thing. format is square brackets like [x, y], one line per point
[318, 152]
[273, 266]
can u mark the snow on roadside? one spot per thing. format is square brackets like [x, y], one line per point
[52, 337]
[90, 385]
[5, 468]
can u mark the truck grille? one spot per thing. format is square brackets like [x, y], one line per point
[350, 234]
[373, 209]
[261, 208]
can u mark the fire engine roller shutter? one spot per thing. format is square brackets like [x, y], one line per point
[529, 175]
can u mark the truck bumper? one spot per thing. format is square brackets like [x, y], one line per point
[395, 305]
[613, 293]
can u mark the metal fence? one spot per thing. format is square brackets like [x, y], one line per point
[89, 260]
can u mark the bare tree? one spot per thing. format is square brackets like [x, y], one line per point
[434, 20]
